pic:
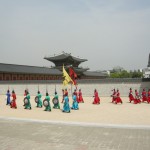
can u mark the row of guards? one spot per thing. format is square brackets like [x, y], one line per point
[135, 98]
[71, 78]
[77, 98]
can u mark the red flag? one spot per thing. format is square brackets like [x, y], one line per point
[73, 75]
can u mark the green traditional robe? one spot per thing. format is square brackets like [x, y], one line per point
[56, 106]
[39, 103]
[48, 108]
[28, 105]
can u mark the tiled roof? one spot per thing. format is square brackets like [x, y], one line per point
[28, 69]
[94, 73]
[64, 56]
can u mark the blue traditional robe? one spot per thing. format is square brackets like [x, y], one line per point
[75, 103]
[66, 107]
[8, 98]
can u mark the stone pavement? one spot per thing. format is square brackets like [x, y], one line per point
[31, 135]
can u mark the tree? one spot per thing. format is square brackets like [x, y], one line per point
[126, 74]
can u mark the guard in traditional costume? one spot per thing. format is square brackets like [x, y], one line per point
[131, 97]
[118, 99]
[96, 97]
[80, 98]
[66, 106]
[137, 98]
[25, 94]
[27, 102]
[114, 96]
[66, 92]
[75, 92]
[75, 103]
[47, 99]
[8, 95]
[13, 102]
[144, 97]
[148, 96]
[56, 101]
[63, 95]
[39, 102]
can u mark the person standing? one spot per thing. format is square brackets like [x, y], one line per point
[75, 103]
[47, 98]
[131, 97]
[144, 98]
[80, 98]
[137, 98]
[66, 106]
[25, 94]
[118, 99]
[39, 96]
[63, 95]
[13, 102]
[27, 104]
[114, 96]
[56, 104]
[8, 97]
[148, 96]
[96, 97]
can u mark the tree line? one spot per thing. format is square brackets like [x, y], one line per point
[126, 74]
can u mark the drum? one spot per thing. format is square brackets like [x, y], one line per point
[45, 102]
[55, 101]
[25, 100]
[36, 99]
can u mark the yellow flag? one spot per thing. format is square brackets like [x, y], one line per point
[66, 77]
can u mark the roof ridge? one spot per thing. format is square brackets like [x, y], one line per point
[24, 65]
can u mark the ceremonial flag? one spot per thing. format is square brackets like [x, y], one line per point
[66, 77]
[73, 75]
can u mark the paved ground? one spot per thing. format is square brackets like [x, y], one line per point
[93, 127]
[23, 135]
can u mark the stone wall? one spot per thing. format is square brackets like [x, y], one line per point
[87, 87]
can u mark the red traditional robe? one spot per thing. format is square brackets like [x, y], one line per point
[118, 99]
[137, 98]
[66, 93]
[148, 96]
[131, 97]
[114, 96]
[13, 102]
[96, 98]
[144, 98]
[80, 98]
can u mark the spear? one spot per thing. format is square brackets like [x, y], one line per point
[55, 87]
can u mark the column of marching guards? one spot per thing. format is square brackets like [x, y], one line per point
[77, 98]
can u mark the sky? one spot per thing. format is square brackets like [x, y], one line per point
[108, 33]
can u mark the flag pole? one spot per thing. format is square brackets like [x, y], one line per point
[46, 88]
[71, 89]
[55, 87]
[38, 87]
